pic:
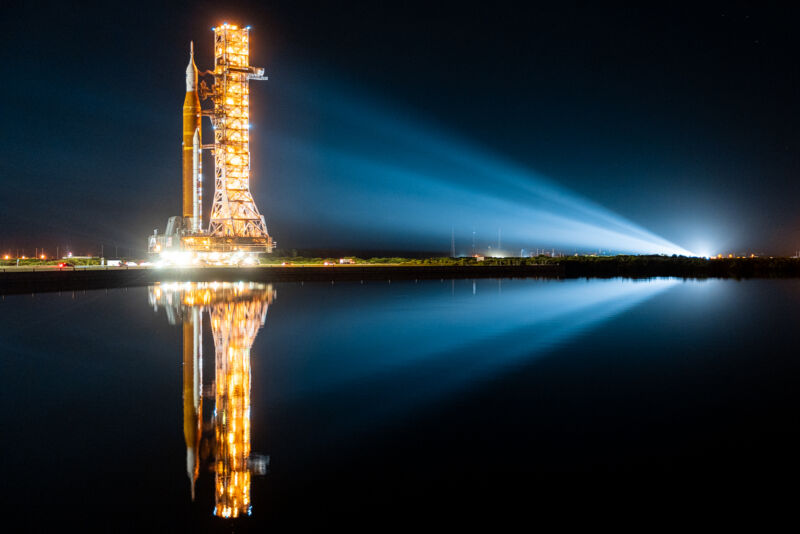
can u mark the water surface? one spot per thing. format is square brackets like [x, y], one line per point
[305, 401]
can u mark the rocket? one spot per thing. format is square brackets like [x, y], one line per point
[192, 155]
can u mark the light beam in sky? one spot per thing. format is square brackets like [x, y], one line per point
[376, 179]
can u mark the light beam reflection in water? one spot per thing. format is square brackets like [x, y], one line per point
[460, 340]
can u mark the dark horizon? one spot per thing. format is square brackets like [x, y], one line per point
[386, 128]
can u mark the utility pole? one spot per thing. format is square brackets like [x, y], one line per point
[452, 242]
[473, 240]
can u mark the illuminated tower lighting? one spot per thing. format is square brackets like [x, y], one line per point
[234, 213]
[235, 226]
[237, 312]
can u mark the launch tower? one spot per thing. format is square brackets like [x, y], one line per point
[236, 227]
[234, 213]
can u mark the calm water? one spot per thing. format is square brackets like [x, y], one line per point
[393, 398]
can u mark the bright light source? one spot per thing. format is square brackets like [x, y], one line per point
[180, 259]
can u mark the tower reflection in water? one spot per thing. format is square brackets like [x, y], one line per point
[237, 311]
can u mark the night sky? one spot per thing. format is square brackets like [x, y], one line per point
[680, 120]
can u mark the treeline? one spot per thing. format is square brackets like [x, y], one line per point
[680, 266]
[599, 266]
[300, 260]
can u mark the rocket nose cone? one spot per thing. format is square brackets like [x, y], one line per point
[191, 71]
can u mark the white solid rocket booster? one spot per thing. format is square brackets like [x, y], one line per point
[197, 181]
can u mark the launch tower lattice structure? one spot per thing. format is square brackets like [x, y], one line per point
[233, 212]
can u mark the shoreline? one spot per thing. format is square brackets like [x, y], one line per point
[47, 279]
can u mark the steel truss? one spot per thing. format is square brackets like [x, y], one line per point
[234, 213]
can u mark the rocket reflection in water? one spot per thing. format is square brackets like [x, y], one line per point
[237, 311]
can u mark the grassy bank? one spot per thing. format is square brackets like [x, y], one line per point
[602, 266]
[33, 262]
[567, 266]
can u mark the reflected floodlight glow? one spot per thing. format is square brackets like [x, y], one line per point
[382, 180]
[487, 332]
